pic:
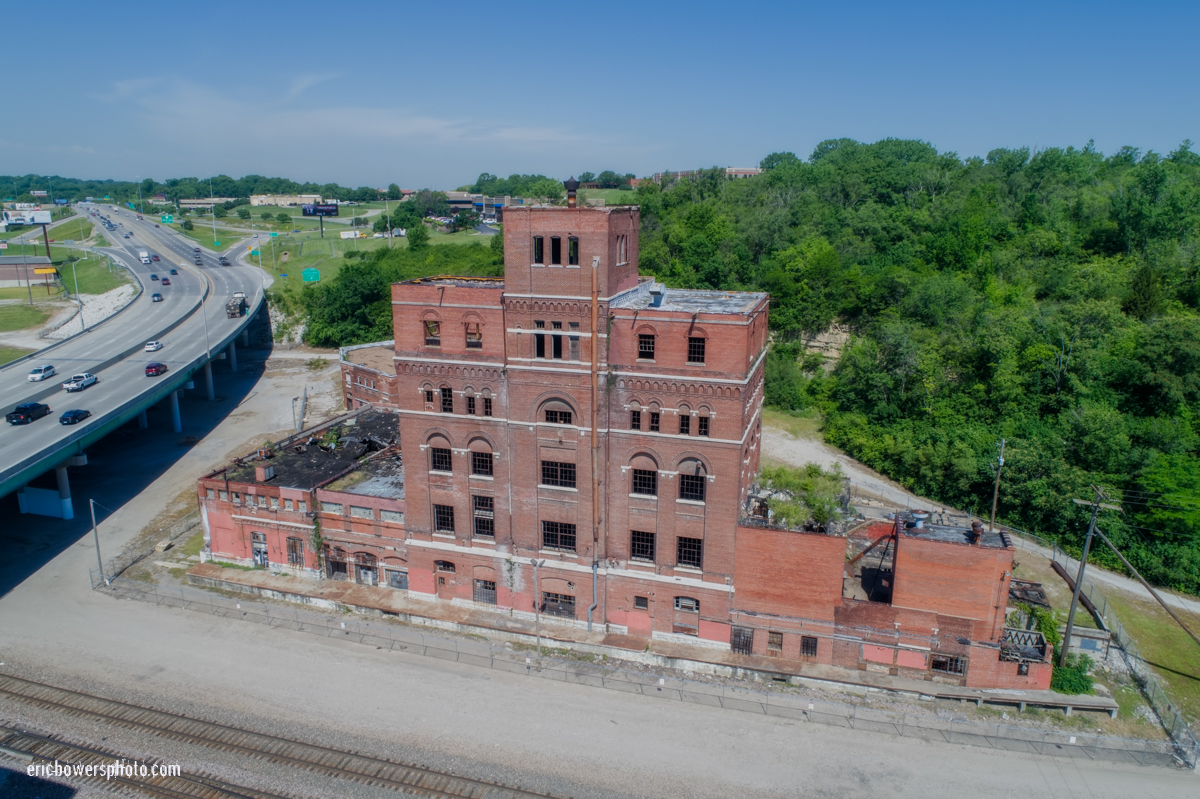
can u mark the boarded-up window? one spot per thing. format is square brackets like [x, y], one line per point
[910, 659]
[878, 654]
[331, 507]
[361, 513]
[392, 516]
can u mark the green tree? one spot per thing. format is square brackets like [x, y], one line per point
[393, 192]
[418, 236]
[243, 212]
[266, 216]
[283, 218]
[219, 211]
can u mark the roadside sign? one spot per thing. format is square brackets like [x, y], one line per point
[254, 252]
[274, 234]
[44, 270]
[283, 274]
[310, 275]
[216, 244]
[168, 218]
[3, 245]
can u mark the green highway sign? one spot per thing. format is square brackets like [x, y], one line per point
[310, 275]
[168, 218]
[254, 252]
[274, 234]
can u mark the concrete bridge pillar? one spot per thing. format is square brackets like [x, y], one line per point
[64, 492]
[176, 422]
[233, 355]
[208, 382]
[246, 337]
[143, 422]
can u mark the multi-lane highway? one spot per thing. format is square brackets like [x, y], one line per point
[191, 322]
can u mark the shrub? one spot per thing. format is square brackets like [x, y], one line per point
[1073, 678]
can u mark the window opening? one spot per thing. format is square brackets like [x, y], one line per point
[558, 474]
[702, 426]
[558, 535]
[574, 340]
[645, 347]
[687, 604]
[573, 251]
[470, 406]
[641, 603]
[481, 463]
[808, 646]
[444, 566]
[433, 333]
[487, 406]
[556, 250]
[775, 644]
[539, 340]
[695, 349]
[474, 336]
[688, 552]
[558, 417]
[947, 664]
[635, 420]
[440, 459]
[485, 592]
[538, 250]
[558, 604]
[447, 400]
[443, 519]
[641, 545]
[645, 481]
[685, 424]
[429, 396]
[741, 640]
[485, 516]
[654, 421]
[295, 551]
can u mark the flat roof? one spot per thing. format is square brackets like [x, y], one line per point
[15, 260]
[306, 464]
[382, 477]
[689, 300]
[456, 280]
[949, 533]
[379, 358]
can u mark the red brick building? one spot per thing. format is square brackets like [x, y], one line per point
[607, 427]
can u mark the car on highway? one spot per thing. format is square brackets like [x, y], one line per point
[154, 277]
[156, 297]
[223, 261]
[155, 369]
[153, 346]
[80, 381]
[196, 250]
[166, 281]
[74, 416]
[26, 413]
[40, 373]
[174, 271]
[155, 258]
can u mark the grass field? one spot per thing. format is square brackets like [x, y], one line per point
[76, 230]
[10, 354]
[203, 235]
[21, 317]
[1172, 654]
[610, 196]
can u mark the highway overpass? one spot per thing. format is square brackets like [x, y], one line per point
[190, 321]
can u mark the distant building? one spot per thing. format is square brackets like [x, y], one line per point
[480, 203]
[284, 200]
[158, 199]
[205, 203]
[731, 172]
[18, 270]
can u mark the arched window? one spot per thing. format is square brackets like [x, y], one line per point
[444, 566]
[685, 420]
[692, 477]
[433, 330]
[644, 476]
[557, 412]
[440, 455]
[482, 458]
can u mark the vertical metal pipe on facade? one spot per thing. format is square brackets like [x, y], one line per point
[595, 419]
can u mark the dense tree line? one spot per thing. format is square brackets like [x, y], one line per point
[18, 187]
[1047, 298]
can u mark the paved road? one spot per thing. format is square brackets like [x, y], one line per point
[128, 330]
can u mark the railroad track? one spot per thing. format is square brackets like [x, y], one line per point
[27, 746]
[351, 766]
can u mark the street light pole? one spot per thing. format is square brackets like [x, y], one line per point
[537, 602]
[388, 213]
[212, 208]
[78, 299]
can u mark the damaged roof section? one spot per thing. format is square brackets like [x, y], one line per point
[320, 454]
[649, 294]
[934, 527]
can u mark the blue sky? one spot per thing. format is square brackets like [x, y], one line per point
[431, 94]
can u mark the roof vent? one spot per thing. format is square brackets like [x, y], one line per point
[656, 295]
[976, 532]
[919, 516]
[264, 472]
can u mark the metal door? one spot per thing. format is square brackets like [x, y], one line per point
[485, 592]
[397, 579]
[259, 548]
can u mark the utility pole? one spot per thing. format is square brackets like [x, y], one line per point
[388, 213]
[1087, 545]
[96, 535]
[537, 602]
[996, 490]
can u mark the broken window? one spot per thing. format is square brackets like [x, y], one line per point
[641, 603]
[645, 481]
[433, 333]
[556, 251]
[741, 640]
[274, 503]
[485, 592]
[287, 505]
[391, 516]
[485, 516]
[635, 420]
[557, 474]
[685, 424]
[444, 566]
[440, 459]
[303, 506]
[557, 342]
[695, 349]
[654, 421]
[558, 535]
[948, 664]
[262, 501]
[295, 550]
[474, 336]
[470, 406]
[559, 417]
[687, 604]
[688, 552]
[641, 545]
[481, 463]
[775, 644]
[573, 251]
[558, 604]
[808, 646]
[574, 353]
[429, 396]
[361, 513]
[487, 406]
[210, 493]
[447, 400]
[702, 426]
[443, 519]
[224, 496]
[538, 250]
[645, 347]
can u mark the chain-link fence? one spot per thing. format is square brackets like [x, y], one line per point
[784, 702]
[115, 567]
